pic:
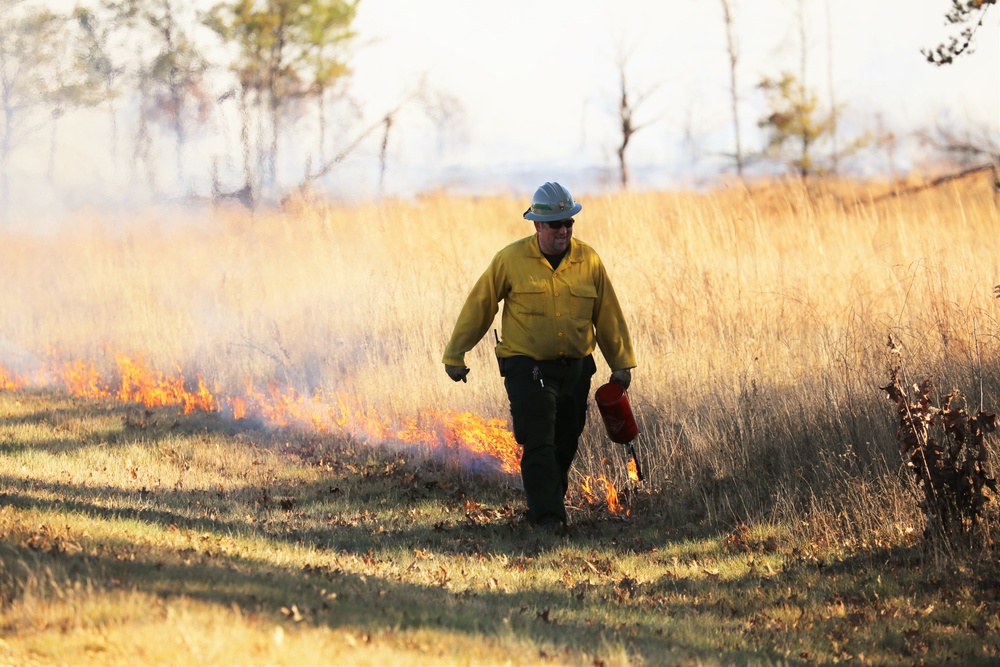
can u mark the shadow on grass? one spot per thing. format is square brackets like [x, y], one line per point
[58, 426]
[671, 618]
[317, 515]
[328, 595]
[64, 425]
[339, 520]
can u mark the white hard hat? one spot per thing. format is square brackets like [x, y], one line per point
[552, 202]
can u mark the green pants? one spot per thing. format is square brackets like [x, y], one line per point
[548, 405]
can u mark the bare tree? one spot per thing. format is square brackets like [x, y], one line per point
[629, 102]
[887, 141]
[967, 147]
[834, 155]
[383, 153]
[384, 123]
[102, 70]
[73, 89]
[167, 70]
[286, 50]
[176, 72]
[733, 51]
[443, 110]
[33, 80]
[446, 113]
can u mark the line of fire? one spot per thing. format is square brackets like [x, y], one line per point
[282, 406]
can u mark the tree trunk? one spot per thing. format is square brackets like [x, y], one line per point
[733, 90]
[621, 164]
[50, 169]
[142, 149]
[113, 120]
[834, 156]
[383, 154]
[5, 148]
[272, 154]
[625, 116]
[321, 97]
[248, 173]
[177, 101]
[804, 154]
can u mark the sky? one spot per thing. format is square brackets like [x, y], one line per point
[537, 81]
[532, 87]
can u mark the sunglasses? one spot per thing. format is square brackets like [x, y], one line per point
[559, 224]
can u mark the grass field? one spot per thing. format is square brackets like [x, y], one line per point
[777, 523]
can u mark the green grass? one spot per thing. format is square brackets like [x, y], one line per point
[130, 536]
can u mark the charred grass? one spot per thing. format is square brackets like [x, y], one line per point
[184, 539]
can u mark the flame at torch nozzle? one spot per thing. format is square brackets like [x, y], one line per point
[634, 471]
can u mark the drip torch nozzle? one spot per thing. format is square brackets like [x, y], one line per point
[630, 450]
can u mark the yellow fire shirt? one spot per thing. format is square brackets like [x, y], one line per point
[546, 314]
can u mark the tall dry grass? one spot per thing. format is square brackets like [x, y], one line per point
[759, 317]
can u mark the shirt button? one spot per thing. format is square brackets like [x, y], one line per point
[557, 293]
[558, 314]
[560, 334]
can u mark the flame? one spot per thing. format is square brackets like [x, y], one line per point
[82, 379]
[633, 470]
[487, 437]
[281, 405]
[606, 488]
[284, 406]
[140, 384]
[137, 383]
[9, 382]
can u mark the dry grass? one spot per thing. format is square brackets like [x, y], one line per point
[759, 317]
[760, 320]
[179, 541]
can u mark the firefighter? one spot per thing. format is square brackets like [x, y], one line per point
[558, 304]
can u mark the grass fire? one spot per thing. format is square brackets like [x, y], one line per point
[283, 406]
[229, 439]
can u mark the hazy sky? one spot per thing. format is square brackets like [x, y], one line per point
[537, 80]
[533, 87]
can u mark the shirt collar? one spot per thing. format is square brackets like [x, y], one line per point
[571, 256]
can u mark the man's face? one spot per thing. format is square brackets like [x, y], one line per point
[553, 237]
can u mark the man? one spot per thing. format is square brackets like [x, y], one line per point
[558, 302]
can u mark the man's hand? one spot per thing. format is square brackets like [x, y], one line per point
[622, 377]
[457, 373]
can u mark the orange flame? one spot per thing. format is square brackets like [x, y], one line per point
[140, 384]
[9, 382]
[633, 470]
[281, 405]
[82, 379]
[606, 487]
[464, 430]
[239, 408]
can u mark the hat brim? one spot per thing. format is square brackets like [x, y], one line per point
[552, 217]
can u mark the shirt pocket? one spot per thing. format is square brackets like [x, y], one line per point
[528, 298]
[582, 301]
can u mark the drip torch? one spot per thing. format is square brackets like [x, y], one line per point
[612, 401]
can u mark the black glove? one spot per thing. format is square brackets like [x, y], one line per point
[622, 376]
[457, 373]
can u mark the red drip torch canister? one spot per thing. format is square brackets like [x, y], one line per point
[612, 401]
